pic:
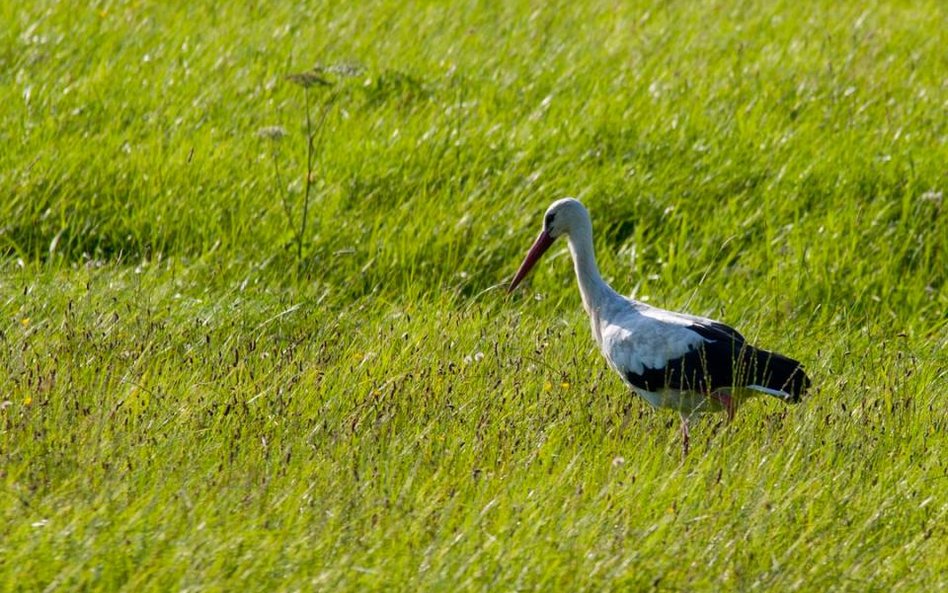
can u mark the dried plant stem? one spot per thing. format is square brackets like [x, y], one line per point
[310, 155]
[315, 135]
[284, 194]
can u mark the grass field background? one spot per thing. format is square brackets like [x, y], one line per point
[187, 405]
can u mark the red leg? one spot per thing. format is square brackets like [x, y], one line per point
[685, 436]
[727, 400]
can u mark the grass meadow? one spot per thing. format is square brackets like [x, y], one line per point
[202, 388]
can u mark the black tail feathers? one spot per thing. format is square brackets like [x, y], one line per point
[779, 373]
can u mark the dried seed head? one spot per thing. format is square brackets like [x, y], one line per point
[309, 79]
[345, 69]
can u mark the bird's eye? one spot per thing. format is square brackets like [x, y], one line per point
[548, 221]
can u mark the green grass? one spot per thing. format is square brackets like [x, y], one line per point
[186, 406]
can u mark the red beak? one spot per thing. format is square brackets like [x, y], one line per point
[539, 247]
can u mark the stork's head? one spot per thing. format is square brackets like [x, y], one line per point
[563, 217]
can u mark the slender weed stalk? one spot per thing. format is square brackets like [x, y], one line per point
[328, 78]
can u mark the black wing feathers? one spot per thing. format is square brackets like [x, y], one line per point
[776, 371]
[724, 359]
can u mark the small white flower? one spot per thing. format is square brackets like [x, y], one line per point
[272, 132]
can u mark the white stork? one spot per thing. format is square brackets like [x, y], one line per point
[686, 363]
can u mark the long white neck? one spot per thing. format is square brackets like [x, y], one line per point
[591, 285]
